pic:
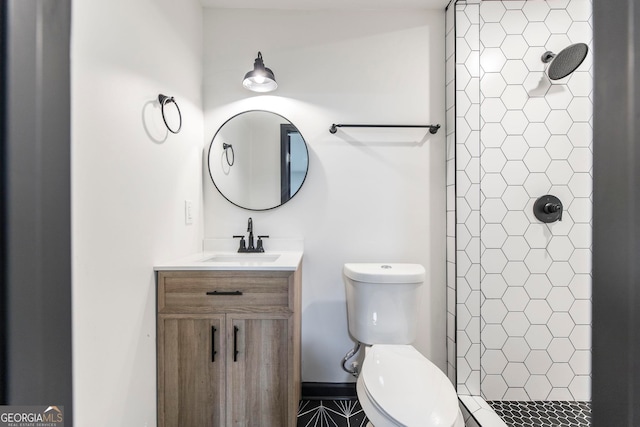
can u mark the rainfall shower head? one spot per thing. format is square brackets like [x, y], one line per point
[565, 62]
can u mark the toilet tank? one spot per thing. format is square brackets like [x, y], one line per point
[382, 301]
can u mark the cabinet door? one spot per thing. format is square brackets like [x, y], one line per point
[258, 391]
[191, 367]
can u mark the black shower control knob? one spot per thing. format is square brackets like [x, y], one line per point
[548, 209]
[552, 208]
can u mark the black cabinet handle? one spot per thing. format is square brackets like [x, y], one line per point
[213, 344]
[224, 293]
[235, 343]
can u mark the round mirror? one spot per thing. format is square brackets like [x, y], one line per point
[258, 160]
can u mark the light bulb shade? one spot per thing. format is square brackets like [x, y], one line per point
[260, 79]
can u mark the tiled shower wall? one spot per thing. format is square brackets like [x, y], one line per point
[523, 288]
[451, 195]
[467, 163]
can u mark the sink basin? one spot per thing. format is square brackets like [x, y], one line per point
[247, 258]
[225, 258]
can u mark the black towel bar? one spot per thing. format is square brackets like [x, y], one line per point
[432, 128]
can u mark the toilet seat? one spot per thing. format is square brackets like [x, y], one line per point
[406, 389]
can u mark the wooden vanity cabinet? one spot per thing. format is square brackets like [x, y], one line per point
[228, 348]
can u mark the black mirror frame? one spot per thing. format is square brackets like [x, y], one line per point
[288, 126]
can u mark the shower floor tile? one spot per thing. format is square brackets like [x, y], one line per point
[543, 414]
[331, 413]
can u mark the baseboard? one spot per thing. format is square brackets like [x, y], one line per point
[329, 391]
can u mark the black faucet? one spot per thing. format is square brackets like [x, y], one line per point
[250, 248]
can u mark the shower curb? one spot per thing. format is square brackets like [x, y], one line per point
[481, 412]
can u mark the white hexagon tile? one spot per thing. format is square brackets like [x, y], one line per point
[535, 138]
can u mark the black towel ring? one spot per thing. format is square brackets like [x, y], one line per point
[164, 100]
[227, 148]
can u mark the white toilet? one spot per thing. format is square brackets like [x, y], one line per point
[396, 386]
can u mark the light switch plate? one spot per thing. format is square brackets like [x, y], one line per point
[188, 212]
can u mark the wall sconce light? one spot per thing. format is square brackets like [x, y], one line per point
[260, 79]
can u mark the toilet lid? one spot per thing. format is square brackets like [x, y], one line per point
[408, 387]
[385, 273]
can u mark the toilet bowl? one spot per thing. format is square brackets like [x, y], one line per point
[398, 386]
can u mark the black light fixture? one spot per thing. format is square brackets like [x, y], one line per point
[260, 79]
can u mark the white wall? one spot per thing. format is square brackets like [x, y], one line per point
[371, 195]
[130, 180]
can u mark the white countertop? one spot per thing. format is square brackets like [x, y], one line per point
[221, 254]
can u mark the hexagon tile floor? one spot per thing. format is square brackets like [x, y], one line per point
[348, 413]
[543, 414]
[331, 413]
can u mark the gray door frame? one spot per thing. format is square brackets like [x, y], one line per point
[37, 204]
[616, 216]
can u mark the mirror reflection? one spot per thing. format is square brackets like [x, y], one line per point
[258, 160]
